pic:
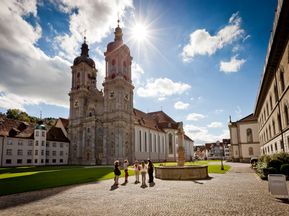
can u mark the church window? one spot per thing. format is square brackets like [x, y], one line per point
[282, 145]
[140, 148]
[267, 107]
[170, 144]
[249, 135]
[113, 62]
[78, 75]
[251, 151]
[145, 142]
[270, 132]
[271, 104]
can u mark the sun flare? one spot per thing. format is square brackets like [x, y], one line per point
[140, 32]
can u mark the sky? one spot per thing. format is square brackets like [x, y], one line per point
[199, 61]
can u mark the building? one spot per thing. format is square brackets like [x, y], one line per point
[272, 102]
[23, 144]
[244, 139]
[218, 150]
[104, 126]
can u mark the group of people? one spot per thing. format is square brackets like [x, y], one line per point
[139, 169]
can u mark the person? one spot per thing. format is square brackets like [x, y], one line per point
[125, 167]
[150, 171]
[136, 167]
[116, 172]
[143, 171]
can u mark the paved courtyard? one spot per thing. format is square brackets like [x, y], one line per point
[239, 192]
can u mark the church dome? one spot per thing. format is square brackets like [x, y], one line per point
[84, 57]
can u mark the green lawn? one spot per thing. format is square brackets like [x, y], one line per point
[15, 180]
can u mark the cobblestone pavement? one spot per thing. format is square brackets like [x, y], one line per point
[239, 192]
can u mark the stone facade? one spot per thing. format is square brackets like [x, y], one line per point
[244, 139]
[103, 125]
[272, 106]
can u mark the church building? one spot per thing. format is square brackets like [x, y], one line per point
[104, 126]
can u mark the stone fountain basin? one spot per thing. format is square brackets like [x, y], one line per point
[193, 172]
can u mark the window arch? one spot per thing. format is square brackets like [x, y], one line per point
[251, 151]
[170, 144]
[249, 135]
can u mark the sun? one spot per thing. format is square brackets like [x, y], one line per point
[140, 32]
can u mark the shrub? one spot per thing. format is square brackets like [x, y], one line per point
[265, 158]
[285, 169]
[282, 156]
[269, 170]
[275, 164]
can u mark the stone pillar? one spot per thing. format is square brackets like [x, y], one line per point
[181, 149]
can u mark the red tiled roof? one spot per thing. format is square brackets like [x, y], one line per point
[143, 119]
[65, 122]
[56, 134]
[250, 117]
[15, 128]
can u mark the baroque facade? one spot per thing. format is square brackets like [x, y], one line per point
[244, 139]
[272, 105]
[103, 125]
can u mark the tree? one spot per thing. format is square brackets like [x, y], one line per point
[20, 115]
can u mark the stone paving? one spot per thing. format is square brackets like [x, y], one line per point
[239, 192]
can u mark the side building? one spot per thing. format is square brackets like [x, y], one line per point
[244, 139]
[25, 144]
[273, 97]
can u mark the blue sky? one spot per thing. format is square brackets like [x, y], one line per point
[200, 62]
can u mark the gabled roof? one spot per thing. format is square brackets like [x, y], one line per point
[64, 122]
[56, 134]
[250, 117]
[161, 117]
[15, 128]
[188, 138]
[143, 119]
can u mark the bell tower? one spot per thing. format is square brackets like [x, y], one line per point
[118, 101]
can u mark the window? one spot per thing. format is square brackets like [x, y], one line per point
[19, 161]
[37, 133]
[275, 93]
[54, 161]
[113, 62]
[286, 114]
[53, 153]
[42, 152]
[274, 129]
[8, 161]
[61, 145]
[36, 142]
[30, 142]
[282, 83]
[42, 160]
[54, 144]
[43, 143]
[140, 148]
[19, 152]
[29, 152]
[270, 132]
[249, 135]
[36, 152]
[9, 142]
[282, 145]
[43, 133]
[271, 104]
[8, 151]
[279, 122]
[275, 146]
[145, 142]
[47, 144]
[35, 161]
[47, 153]
[46, 160]
[61, 153]
[267, 107]
[251, 151]
[170, 144]
[61, 160]
[20, 142]
[29, 161]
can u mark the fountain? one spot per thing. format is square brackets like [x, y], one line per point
[181, 172]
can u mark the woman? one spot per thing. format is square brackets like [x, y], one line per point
[143, 171]
[151, 171]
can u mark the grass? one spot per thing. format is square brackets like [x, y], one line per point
[16, 180]
[23, 179]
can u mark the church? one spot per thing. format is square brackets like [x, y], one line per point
[103, 124]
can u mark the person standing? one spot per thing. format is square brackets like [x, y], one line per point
[137, 168]
[150, 171]
[143, 171]
[125, 167]
[116, 172]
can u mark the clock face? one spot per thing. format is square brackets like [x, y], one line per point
[76, 103]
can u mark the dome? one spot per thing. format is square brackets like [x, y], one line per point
[40, 127]
[84, 57]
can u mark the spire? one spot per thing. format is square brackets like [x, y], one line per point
[84, 48]
[118, 32]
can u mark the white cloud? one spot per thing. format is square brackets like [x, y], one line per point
[195, 117]
[201, 135]
[181, 105]
[234, 65]
[162, 87]
[218, 111]
[215, 125]
[136, 73]
[203, 43]
[97, 18]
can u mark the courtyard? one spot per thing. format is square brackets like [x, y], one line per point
[238, 192]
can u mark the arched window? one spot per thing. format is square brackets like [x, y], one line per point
[145, 142]
[275, 93]
[271, 104]
[124, 64]
[140, 148]
[274, 129]
[267, 109]
[113, 62]
[270, 132]
[286, 114]
[249, 135]
[170, 144]
[251, 151]
[279, 122]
